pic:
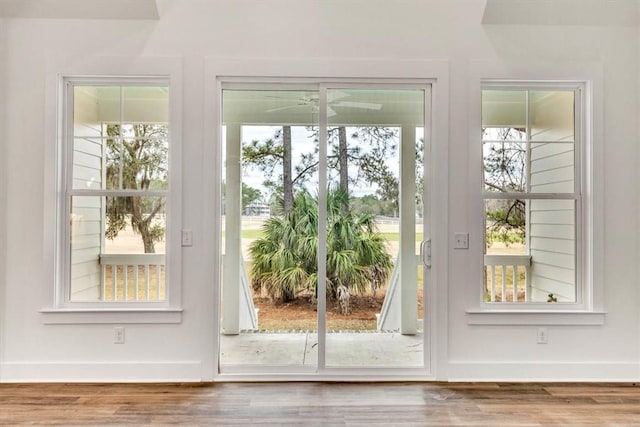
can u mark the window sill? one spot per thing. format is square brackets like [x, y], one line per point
[68, 316]
[537, 317]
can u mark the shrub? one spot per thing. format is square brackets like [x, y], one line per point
[285, 257]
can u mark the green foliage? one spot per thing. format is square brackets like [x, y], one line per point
[265, 155]
[285, 258]
[367, 156]
[373, 205]
[374, 144]
[508, 238]
[136, 159]
[505, 172]
[505, 221]
[250, 195]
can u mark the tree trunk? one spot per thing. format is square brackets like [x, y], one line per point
[141, 225]
[287, 179]
[343, 164]
[147, 240]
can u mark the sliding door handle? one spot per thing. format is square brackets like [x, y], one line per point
[425, 252]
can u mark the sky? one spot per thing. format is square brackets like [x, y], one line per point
[302, 142]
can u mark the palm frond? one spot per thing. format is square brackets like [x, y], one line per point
[285, 257]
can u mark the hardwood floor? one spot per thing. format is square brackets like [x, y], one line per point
[322, 404]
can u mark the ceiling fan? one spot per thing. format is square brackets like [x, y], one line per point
[333, 100]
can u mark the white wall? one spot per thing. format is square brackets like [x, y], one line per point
[331, 31]
[3, 181]
[609, 350]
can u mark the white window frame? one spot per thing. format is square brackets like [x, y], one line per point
[220, 70]
[588, 308]
[578, 90]
[321, 86]
[58, 309]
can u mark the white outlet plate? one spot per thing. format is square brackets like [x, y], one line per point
[543, 336]
[118, 337]
[461, 240]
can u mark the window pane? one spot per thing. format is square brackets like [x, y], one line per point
[552, 167]
[145, 104]
[117, 248]
[505, 226]
[270, 106]
[530, 243]
[504, 134]
[139, 159]
[552, 246]
[92, 107]
[506, 259]
[504, 109]
[121, 138]
[366, 155]
[504, 166]
[551, 115]
[87, 163]
[86, 246]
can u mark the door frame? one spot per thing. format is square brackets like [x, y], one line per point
[345, 72]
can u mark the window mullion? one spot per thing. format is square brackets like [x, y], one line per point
[582, 293]
[531, 196]
[67, 182]
[121, 140]
[527, 172]
[119, 193]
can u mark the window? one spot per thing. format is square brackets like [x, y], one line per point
[532, 192]
[115, 191]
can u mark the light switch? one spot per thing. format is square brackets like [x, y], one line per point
[187, 238]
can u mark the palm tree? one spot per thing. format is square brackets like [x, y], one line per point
[285, 258]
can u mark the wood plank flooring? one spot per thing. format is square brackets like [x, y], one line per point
[322, 404]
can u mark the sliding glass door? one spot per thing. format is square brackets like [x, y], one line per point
[325, 227]
[374, 140]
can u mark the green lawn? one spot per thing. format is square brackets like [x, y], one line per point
[251, 234]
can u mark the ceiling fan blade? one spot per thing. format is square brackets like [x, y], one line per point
[288, 107]
[335, 95]
[353, 104]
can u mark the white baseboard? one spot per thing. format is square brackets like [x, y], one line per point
[191, 371]
[544, 371]
[103, 372]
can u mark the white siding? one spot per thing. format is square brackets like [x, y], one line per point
[552, 249]
[87, 229]
[552, 167]
[552, 223]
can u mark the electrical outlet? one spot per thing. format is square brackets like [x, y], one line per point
[461, 240]
[543, 336]
[118, 337]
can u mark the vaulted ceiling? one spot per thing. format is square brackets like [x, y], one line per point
[79, 9]
[497, 12]
[561, 12]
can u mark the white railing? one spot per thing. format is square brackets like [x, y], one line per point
[133, 277]
[508, 274]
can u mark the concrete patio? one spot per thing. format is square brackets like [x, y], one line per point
[344, 349]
